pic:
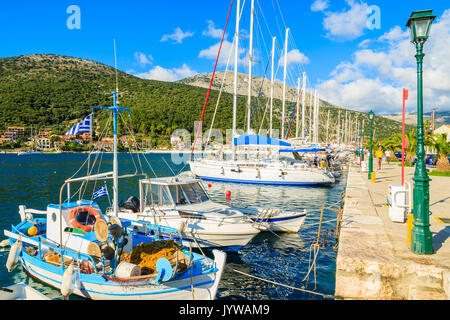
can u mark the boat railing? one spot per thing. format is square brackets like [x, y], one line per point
[158, 229]
[28, 213]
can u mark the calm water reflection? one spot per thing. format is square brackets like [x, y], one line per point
[35, 181]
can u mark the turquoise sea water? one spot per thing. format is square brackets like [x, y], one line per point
[35, 181]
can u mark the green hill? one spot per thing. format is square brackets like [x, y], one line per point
[51, 91]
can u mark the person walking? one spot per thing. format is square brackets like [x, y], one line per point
[387, 153]
[379, 156]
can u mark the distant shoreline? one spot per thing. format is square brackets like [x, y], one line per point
[87, 152]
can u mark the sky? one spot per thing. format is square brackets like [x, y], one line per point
[356, 54]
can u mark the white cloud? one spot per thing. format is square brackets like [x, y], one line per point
[319, 5]
[227, 47]
[377, 73]
[169, 75]
[212, 31]
[347, 24]
[143, 59]
[177, 37]
[294, 57]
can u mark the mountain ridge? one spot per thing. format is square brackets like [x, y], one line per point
[56, 91]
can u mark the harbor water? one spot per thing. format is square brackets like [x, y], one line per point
[35, 181]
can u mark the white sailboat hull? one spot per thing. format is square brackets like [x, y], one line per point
[228, 171]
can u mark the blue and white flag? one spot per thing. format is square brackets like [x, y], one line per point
[103, 191]
[81, 127]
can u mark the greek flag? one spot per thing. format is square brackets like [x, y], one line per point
[103, 191]
[83, 126]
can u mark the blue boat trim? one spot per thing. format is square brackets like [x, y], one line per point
[119, 294]
[266, 182]
[278, 219]
[94, 279]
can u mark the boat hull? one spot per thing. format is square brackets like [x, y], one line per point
[214, 171]
[291, 223]
[206, 233]
[95, 287]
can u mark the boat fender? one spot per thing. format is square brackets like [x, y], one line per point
[4, 243]
[182, 225]
[164, 270]
[35, 230]
[68, 281]
[14, 254]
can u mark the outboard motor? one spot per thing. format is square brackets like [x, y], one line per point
[132, 204]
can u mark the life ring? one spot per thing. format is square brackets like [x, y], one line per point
[86, 227]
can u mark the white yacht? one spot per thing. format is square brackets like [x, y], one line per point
[270, 170]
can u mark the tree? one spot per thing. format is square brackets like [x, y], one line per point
[412, 145]
[442, 147]
[393, 143]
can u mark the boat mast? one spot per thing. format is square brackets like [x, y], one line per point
[328, 125]
[318, 118]
[315, 117]
[303, 104]
[250, 65]
[235, 76]
[310, 114]
[338, 129]
[284, 83]
[298, 106]
[115, 162]
[271, 84]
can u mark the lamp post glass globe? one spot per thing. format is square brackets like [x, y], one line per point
[419, 25]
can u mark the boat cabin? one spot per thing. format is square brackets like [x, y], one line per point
[171, 192]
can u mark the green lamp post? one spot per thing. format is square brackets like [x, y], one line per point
[421, 239]
[371, 116]
[362, 144]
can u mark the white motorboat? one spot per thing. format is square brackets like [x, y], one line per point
[182, 203]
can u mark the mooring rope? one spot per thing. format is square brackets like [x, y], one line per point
[284, 285]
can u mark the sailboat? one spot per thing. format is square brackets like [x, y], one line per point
[267, 168]
[32, 150]
[73, 246]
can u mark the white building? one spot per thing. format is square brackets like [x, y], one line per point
[43, 143]
[443, 129]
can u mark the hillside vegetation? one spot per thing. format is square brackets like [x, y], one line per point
[51, 91]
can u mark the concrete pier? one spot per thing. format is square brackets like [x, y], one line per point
[374, 260]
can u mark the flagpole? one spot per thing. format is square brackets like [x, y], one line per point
[405, 97]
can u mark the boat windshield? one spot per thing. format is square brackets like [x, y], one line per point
[188, 194]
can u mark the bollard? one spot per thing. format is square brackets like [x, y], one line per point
[409, 226]
[372, 177]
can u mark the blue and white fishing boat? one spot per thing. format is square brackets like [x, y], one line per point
[74, 247]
